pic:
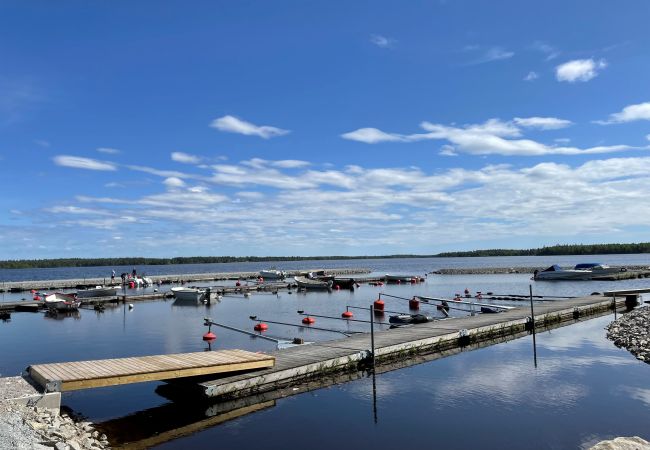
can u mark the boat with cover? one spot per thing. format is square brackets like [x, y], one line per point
[189, 293]
[273, 274]
[555, 272]
[405, 319]
[62, 302]
[308, 283]
[97, 291]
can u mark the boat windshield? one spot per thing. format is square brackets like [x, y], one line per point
[553, 268]
[584, 266]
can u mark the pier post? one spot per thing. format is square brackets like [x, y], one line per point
[372, 335]
[208, 295]
[532, 318]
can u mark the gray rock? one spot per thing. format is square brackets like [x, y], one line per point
[623, 443]
[74, 445]
[61, 446]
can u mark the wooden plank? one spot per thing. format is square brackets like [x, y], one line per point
[84, 374]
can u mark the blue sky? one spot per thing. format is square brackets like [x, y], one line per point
[321, 128]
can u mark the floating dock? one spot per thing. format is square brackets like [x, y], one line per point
[296, 364]
[69, 376]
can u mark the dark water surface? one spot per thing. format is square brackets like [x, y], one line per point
[583, 389]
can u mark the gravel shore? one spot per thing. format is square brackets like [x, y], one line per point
[26, 428]
[632, 331]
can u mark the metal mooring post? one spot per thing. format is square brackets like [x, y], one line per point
[532, 317]
[372, 335]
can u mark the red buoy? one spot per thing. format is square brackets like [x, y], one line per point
[131, 284]
[347, 314]
[308, 320]
[261, 327]
[209, 336]
[337, 287]
[414, 303]
[37, 298]
[379, 304]
[33, 291]
[413, 280]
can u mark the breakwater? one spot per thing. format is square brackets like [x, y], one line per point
[81, 283]
[632, 331]
[627, 272]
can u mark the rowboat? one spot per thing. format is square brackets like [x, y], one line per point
[307, 283]
[62, 302]
[189, 293]
[98, 291]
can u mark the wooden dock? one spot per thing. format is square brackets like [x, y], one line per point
[109, 372]
[296, 364]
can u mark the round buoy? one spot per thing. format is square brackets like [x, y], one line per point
[247, 294]
[209, 336]
[347, 314]
[33, 291]
[131, 284]
[413, 280]
[37, 298]
[308, 320]
[130, 305]
[414, 303]
[379, 305]
[337, 287]
[261, 327]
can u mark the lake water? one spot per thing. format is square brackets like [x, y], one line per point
[583, 389]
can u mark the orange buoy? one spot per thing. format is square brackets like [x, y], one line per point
[414, 303]
[261, 327]
[379, 304]
[209, 336]
[347, 314]
[308, 320]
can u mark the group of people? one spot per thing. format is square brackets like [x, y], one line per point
[124, 275]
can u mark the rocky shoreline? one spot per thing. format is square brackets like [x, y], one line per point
[632, 331]
[26, 428]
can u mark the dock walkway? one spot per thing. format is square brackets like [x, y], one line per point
[299, 363]
[70, 376]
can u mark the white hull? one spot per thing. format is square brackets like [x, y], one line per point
[189, 294]
[400, 278]
[62, 302]
[307, 283]
[565, 275]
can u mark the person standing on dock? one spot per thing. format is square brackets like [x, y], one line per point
[113, 276]
[134, 273]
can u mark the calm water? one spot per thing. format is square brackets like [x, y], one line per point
[584, 388]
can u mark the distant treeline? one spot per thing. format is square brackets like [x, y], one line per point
[571, 249]
[93, 262]
[553, 250]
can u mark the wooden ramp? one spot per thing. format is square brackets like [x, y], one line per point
[71, 376]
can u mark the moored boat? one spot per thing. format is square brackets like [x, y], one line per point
[273, 274]
[189, 293]
[98, 291]
[62, 302]
[344, 283]
[598, 269]
[555, 272]
[404, 319]
[308, 283]
[399, 278]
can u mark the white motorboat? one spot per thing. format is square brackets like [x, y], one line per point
[555, 272]
[62, 302]
[273, 274]
[399, 278]
[189, 293]
[98, 291]
[308, 283]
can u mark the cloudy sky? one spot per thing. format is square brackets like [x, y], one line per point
[321, 128]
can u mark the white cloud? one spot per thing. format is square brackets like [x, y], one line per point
[579, 70]
[490, 54]
[290, 164]
[550, 51]
[109, 151]
[233, 124]
[185, 158]
[544, 123]
[173, 182]
[373, 136]
[631, 113]
[79, 162]
[448, 150]
[382, 41]
[42, 143]
[491, 137]
[531, 76]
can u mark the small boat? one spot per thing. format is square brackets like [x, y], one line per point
[399, 278]
[62, 302]
[273, 274]
[488, 310]
[189, 293]
[405, 319]
[344, 283]
[308, 283]
[98, 291]
[555, 272]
